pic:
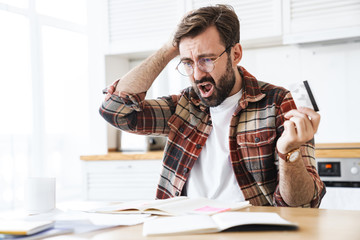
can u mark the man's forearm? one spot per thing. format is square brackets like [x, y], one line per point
[140, 78]
[296, 184]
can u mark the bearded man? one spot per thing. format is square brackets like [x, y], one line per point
[230, 136]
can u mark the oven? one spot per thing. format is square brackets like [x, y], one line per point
[339, 172]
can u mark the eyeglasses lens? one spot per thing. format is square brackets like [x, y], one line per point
[204, 64]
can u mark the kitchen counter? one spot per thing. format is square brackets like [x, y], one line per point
[337, 150]
[323, 150]
[116, 167]
[151, 155]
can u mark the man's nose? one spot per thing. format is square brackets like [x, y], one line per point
[198, 73]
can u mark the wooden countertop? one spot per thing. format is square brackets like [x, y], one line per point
[323, 150]
[151, 155]
[337, 150]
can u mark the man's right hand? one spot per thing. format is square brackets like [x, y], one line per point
[109, 90]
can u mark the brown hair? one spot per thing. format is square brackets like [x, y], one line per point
[223, 17]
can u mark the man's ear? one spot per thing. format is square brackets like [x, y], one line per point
[237, 53]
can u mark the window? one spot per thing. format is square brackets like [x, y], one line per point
[48, 112]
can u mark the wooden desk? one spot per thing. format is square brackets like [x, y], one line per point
[313, 224]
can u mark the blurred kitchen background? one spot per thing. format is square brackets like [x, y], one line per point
[56, 56]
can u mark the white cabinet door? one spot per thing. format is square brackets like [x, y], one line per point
[341, 198]
[141, 25]
[120, 180]
[312, 21]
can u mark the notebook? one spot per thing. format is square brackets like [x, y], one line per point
[22, 227]
[226, 221]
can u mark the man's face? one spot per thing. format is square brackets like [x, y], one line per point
[214, 87]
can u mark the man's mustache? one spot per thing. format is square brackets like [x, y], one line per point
[205, 79]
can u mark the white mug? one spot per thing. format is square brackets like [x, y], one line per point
[39, 195]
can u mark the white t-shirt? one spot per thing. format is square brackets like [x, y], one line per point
[212, 175]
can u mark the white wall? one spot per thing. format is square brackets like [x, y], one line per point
[116, 67]
[333, 74]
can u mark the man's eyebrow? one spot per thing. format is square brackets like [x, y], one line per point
[185, 59]
[207, 55]
[199, 56]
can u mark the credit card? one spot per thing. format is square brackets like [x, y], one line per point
[303, 96]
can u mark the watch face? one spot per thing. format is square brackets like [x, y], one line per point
[294, 156]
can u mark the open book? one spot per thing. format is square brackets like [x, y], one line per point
[227, 221]
[174, 206]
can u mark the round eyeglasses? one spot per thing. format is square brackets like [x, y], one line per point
[205, 64]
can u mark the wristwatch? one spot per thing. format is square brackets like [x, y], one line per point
[291, 156]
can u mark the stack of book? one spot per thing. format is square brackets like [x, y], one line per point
[29, 230]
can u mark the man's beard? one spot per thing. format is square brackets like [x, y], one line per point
[222, 90]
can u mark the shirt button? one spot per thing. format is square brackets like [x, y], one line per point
[209, 122]
[177, 194]
[181, 130]
[185, 171]
[198, 146]
[257, 139]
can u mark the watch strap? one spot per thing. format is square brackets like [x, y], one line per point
[281, 155]
[286, 156]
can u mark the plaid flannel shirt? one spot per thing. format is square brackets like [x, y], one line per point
[255, 127]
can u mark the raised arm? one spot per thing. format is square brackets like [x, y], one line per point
[140, 78]
[124, 106]
[299, 182]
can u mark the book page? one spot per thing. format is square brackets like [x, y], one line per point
[163, 206]
[230, 219]
[174, 206]
[113, 208]
[138, 206]
[185, 224]
[202, 206]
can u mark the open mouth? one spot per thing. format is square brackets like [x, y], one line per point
[206, 89]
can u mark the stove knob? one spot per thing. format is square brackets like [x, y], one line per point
[354, 170]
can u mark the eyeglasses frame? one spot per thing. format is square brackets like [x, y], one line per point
[197, 63]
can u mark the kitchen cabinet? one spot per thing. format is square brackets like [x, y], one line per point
[341, 198]
[131, 176]
[144, 25]
[121, 177]
[313, 21]
[336, 197]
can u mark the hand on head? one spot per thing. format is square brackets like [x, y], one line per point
[109, 90]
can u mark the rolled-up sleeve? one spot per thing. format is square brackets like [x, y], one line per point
[308, 156]
[132, 113]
